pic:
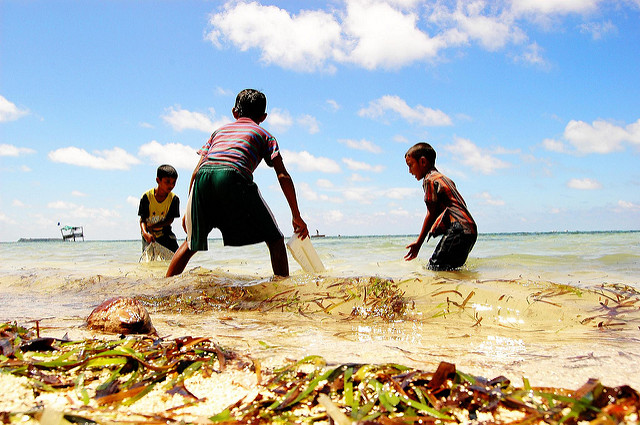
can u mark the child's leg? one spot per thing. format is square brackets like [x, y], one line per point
[180, 260]
[279, 260]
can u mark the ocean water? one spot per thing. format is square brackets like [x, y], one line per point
[555, 308]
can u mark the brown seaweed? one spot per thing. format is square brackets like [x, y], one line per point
[306, 391]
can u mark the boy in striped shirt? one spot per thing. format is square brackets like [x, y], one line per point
[447, 213]
[222, 193]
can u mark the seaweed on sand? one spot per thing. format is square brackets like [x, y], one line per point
[394, 394]
[306, 391]
[113, 372]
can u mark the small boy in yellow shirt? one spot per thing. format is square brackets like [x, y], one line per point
[158, 207]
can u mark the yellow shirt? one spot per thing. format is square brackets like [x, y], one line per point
[158, 211]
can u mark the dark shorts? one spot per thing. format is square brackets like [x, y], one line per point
[167, 241]
[224, 199]
[453, 249]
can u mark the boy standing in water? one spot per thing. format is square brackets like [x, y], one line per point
[158, 207]
[447, 213]
[222, 193]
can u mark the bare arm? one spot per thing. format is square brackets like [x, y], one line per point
[146, 234]
[286, 184]
[414, 247]
[159, 225]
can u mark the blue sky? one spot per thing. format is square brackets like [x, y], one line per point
[533, 107]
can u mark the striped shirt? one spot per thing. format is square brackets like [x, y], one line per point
[240, 145]
[444, 200]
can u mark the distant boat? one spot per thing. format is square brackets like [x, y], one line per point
[317, 235]
[72, 232]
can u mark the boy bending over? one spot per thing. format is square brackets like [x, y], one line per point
[157, 209]
[447, 213]
[222, 193]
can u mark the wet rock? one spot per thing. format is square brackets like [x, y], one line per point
[121, 316]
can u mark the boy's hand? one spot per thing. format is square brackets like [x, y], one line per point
[300, 227]
[148, 237]
[414, 248]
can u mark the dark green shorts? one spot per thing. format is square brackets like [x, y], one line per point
[453, 249]
[224, 199]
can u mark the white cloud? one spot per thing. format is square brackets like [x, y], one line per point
[553, 7]
[380, 35]
[145, 125]
[75, 211]
[533, 56]
[584, 184]
[386, 34]
[400, 139]
[362, 166]
[400, 193]
[113, 159]
[9, 111]
[304, 161]
[11, 150]
[363, 145]
[304, 191]
[333, 216]
[628, 205]
[133, 201]
[358, 178]
[309, 122]
[279, 120]
[488, 199]
[176, 154]
[399, 212]
[471, 155]
[601, 136]
[598, 29]
[301, 42]
[78, 193]
[324, 184]
[419, 114]
[554, 145]
[220, 91]
[333, 105]
[61, 205]
[362, 195]
[181, 119]
[5, 219]
[492, 27]
[25, 169]
[17, 203]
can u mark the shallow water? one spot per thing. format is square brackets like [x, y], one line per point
[557, 308]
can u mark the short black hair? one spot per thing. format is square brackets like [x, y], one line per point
[250, 103]
[167, 170]
[419, 150]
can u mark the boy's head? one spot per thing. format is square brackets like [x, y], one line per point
[420, 158]
[252, 104]
[166, 178]
[167, 170]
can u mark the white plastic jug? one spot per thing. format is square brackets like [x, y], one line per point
[305, 254]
